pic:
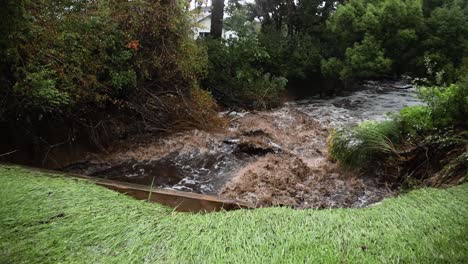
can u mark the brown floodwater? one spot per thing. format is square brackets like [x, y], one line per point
[275, 157]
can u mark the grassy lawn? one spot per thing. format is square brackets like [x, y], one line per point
[48, 219]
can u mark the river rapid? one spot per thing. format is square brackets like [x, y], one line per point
[276, 157]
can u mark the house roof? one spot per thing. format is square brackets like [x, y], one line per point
[201, 13]
[203, 18]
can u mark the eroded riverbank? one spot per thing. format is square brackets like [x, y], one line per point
[275, 157]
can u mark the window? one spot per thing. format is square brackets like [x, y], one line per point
[203, 34]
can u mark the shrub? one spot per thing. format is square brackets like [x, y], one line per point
[204, 110]
[70, 71]
[236, 76]
[447, 106]
[39, 89]
[365, 60]
[296, 57]
[414, 121]
[75, 57]
[262, 92]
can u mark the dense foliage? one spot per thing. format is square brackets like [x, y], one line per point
[400, 33]
[75, 62]
[237, 77]
[66, 55]
[314, 44]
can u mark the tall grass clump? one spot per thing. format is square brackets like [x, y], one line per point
[365, 143]
[425, 142]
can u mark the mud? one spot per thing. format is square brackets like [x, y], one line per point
[266, 158]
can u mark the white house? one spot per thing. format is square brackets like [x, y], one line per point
[203, 24]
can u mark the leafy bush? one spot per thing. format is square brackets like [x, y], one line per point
[332, 67]
[235, 74]
[414, 121]
[65, 57]
[204, 109]
[363, 60]
[70, 71]
[363, 144]
[296, 57]
[447, 106]
[39, 89]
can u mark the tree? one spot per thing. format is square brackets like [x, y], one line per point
[395, 25]
[68, 65]
[217, 14]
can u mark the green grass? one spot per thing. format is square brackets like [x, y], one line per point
[48, 219]
[359, 146]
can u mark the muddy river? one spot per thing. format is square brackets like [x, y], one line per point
[266, 158]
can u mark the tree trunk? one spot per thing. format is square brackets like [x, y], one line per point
[217, 13]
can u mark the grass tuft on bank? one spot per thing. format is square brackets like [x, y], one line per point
[419, 146]
[48, 219]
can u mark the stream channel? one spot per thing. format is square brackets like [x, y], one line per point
[276, 157]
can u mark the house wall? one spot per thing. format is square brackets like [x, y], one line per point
[204, 27]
